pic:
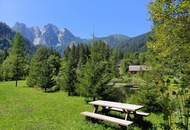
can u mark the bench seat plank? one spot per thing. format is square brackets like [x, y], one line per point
[142, 113]
[107, 118]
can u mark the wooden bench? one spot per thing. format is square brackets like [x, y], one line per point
[107, 118]
[142, 113]
[137, 112]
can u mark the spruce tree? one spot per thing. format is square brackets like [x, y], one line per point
[115, 61]
[67, 76]
[44, 69]
[96, 73]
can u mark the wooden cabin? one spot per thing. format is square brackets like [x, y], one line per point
[137, 68]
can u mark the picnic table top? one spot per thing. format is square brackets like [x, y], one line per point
[129, 107]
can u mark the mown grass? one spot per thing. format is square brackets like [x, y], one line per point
[23, 108]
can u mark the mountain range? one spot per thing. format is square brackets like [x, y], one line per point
[54, 37]
[48, 35]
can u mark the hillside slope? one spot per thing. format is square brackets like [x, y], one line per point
[6, 36]
[135, 44]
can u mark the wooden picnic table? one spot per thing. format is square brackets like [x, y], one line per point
[115, 106]
[125, 108]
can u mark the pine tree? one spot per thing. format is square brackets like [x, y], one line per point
[83, 54]
[44, 69]
[15, 65]
[67, 76]
[115, 61]
[96, 73]
[93, 79]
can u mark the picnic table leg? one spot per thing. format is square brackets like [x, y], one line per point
[126, 114]
[95, 108]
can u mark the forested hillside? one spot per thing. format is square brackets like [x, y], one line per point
[6, 36]
[135, 44]
[114, 40]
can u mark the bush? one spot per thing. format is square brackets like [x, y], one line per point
[149, 96]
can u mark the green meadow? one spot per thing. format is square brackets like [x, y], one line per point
[24, 108]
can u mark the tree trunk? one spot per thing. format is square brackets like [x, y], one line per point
[16, 82]
[94, 98]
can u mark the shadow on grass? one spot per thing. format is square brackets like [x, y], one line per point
[140, 124]
[137, 122]
[106, 125]
[144, 125]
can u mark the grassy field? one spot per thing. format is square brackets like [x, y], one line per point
[23, 108]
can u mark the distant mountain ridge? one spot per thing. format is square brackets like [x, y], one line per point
[114, 39]
[135, 44]
[49, 35]
[54, 37]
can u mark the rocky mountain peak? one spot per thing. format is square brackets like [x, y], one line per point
[49, 35]
[51, 28]
[24, 30]
[19, 25]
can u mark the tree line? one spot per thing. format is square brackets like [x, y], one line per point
[85, 69]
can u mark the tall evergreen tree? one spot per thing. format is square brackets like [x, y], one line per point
[96, 73]
[67, 76]
[83, 54]
[44, 69]
[115, 61]
[15, 65]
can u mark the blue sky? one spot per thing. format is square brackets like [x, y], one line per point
[82, 17]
